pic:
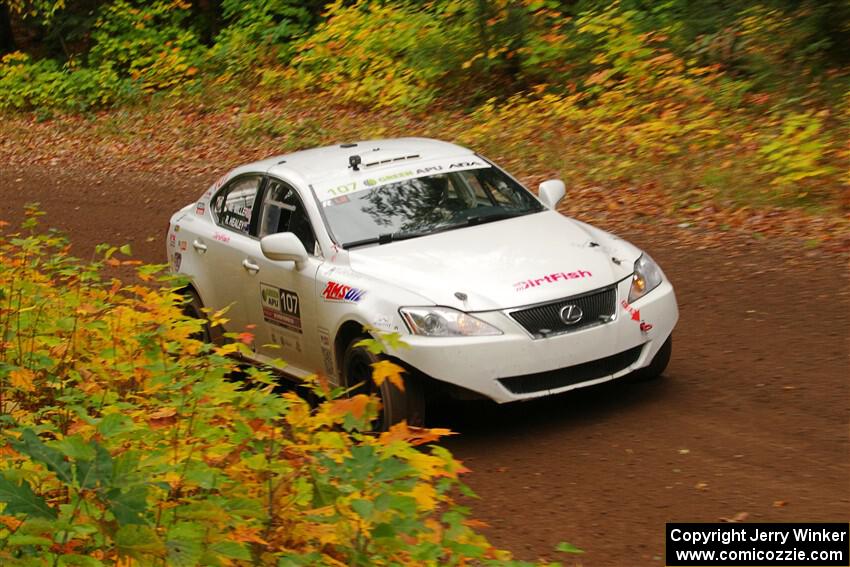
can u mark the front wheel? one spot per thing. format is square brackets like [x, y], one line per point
[194, 308]
[397, 405]
[658, 365]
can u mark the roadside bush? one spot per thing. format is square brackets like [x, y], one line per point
[259, 34]
[26, 84]
[381, 53]
[148, 42]
[123, 442]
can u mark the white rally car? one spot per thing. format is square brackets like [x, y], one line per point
[495, 292]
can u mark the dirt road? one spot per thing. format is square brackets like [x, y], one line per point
[750, 421]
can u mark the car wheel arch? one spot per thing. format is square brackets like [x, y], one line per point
[345, 333]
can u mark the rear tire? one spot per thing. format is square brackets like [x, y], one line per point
[396, 405]
[658, 365]
[194, 308]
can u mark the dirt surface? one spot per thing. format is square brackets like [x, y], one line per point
[750, 422]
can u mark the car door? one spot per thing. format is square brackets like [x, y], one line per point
[226, 251]
[282, 298]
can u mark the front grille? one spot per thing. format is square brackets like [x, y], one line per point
[554, 379]
[545, 320]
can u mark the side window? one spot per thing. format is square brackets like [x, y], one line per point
[283, 211]
[232, 206]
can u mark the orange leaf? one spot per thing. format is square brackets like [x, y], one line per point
[22, 379]
[356, 406]
[10, 522]
[246, 535]
[162, 418]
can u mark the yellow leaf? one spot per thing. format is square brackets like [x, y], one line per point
[22, 379]
[425, 496]
[386, 370]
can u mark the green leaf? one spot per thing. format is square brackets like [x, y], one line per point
[565, 547]
[136, 540]
[129, 507]
[184, 545]
[74, 447]
[23, 539]
[95, 471]
[20, 499]
[125, 250]
[74, 560]
[230, 549]
[363, 508]
[30, 445]
[113, 424]
[384, 530]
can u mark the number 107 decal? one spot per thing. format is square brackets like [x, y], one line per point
[281, 307]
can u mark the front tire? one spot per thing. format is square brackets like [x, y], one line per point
[658, 365]
[397, 405]
[194, 308]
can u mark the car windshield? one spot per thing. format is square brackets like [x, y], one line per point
[418, 206]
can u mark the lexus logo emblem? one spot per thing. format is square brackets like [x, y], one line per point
[570, 314]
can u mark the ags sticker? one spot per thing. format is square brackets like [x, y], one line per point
[200, 209]
[340, 292]
[635, 313]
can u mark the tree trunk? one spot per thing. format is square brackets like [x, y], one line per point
[7, 38]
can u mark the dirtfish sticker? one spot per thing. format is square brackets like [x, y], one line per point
[551, 278]
[341, 292]
[281, 307]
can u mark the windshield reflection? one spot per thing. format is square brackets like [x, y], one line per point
[422, 205]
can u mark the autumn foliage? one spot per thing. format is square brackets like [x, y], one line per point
[125, 441]
[743, 103]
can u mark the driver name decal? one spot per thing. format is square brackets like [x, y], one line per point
[280, 307]
[341, 292]
[551, 278]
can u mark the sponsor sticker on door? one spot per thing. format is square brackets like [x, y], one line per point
[281, 307]
[340, 292]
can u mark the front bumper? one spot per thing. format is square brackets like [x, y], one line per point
[599, 353]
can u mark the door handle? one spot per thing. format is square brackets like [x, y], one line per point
[250, 266]
[199, 246]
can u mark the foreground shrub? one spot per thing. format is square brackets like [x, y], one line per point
[123, 441]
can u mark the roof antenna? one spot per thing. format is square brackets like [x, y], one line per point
[354, 162]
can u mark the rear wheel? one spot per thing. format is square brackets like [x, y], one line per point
[397, 405]
[658, 365]
[194, 308]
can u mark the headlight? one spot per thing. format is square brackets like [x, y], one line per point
[445, 322]
[647, 277]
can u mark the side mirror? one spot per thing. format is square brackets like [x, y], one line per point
[551, 192]
[284, 246]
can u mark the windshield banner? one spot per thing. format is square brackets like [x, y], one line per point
[329, 195]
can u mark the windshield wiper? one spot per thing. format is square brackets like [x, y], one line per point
[384, 238]
[481, 219]
[388, 237]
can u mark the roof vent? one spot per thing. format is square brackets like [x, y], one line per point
[390, 160]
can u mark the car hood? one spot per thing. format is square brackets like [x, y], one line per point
[502, 264]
